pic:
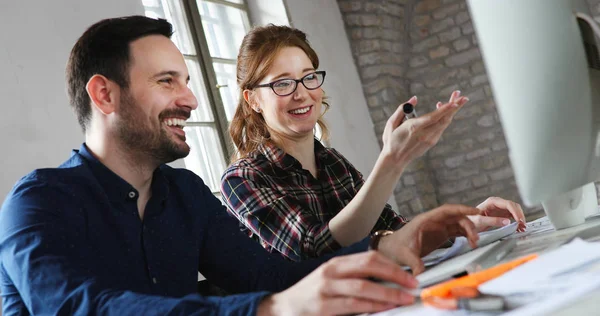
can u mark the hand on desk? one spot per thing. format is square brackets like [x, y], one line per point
[342, 286]
[427, 232]
[497, 212]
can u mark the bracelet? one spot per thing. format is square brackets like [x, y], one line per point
[376, 237]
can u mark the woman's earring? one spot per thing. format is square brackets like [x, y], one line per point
[257, 110]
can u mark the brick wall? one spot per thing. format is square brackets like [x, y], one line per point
[428, 48]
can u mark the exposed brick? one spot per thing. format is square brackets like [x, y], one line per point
[416, 206]
[486, 137]
[456, 173]
[367, 46]
[478, 67]
[350, 6]
[441, 79]
[468, 111]
[408, 180]
[425, 44]
[369, 59]
[454, 187]
[374, 86]
[395, 10]
[463, 58]
[449, 35]
[478, 153]
[465, 144]
[486, 121]
[427, 6]
[462, 17]
[441, 25]
[499, 145]
[371, 71]
[421, 20]
[479, 79]
[445, 11]
[418, 61]
[494, 161]
[455, 161]
[461, 44]
[480, 180]
[502, 174]
[416, 88]
[439, 52]
[467, 29]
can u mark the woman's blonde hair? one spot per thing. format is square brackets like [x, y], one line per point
[248, 129]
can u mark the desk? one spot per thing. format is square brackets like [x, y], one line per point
[540, 243]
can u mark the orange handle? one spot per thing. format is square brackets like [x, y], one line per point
[444, 290]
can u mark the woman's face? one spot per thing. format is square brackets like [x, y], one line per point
[292, 116]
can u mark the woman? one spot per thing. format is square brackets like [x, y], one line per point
[293, 194]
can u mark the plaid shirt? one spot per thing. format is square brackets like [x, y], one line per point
[285, 208]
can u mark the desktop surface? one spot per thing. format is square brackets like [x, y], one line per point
[539, 242]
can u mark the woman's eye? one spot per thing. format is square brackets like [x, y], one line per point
[310, 77]
[282, 84]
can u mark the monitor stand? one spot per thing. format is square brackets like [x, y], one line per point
[570, 208]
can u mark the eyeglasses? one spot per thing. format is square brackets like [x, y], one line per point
[284, 87]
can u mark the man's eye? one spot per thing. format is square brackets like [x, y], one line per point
[166, 80]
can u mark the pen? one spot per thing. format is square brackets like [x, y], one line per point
[409, 111]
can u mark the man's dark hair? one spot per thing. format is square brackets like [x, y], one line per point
[104, 49]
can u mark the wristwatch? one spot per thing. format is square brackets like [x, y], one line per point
[376, 237]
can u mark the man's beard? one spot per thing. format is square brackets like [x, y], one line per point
[141, 139]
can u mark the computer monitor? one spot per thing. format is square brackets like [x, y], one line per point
[542, 61]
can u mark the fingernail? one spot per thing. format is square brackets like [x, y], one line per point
[458, 92]
[467, 99]
[505, 222]
[455, 105]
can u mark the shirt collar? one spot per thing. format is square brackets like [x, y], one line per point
[284, 161]
[116, 188]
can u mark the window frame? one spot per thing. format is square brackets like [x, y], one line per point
[207, 70]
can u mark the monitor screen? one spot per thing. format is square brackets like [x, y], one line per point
[541, 57]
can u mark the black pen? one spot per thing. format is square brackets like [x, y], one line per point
[409, 111]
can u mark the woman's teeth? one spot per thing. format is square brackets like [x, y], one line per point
[301, 111]
[175, 122]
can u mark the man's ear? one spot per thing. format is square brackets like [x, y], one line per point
[103, 93]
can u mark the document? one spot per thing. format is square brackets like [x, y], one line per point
[461, 245]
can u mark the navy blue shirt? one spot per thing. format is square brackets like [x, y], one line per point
[72, 242]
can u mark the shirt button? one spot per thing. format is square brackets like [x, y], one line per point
[131, 194]
[154, 280]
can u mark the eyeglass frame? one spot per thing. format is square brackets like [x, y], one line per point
[301, 80]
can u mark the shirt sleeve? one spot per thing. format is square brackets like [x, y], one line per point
[389, 219]
[42, 256]
[243, 264]
[278, 219]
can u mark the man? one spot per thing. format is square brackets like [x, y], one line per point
[115, 231]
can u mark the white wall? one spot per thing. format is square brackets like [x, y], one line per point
[37, 126]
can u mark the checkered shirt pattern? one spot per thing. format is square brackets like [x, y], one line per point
[285, 208]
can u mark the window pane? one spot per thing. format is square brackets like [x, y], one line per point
[172, 11]
[204, 112]
[206, 156]
[224, 28]
[230, 94]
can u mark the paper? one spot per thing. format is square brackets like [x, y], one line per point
[461, 245]
[576, 256]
